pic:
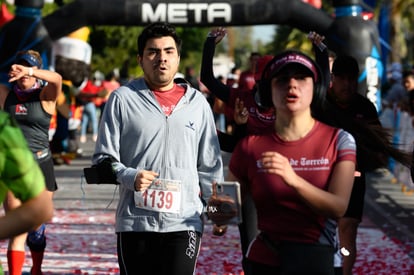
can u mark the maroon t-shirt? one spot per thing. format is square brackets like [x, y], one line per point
[282, 215]
[260, 121]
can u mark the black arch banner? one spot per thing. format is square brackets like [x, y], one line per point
[193, 13]
[345, 33]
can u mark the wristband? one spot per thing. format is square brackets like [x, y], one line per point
[30, 71]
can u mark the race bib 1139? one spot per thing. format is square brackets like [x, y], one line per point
[163, 195]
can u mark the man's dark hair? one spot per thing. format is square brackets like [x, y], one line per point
[158, 30]
[408, 73]
[345, 65]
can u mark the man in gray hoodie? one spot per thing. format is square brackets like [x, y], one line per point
[162, 141]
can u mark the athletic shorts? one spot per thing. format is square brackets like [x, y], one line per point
[153, 253]
[48, 170]
[356, 202]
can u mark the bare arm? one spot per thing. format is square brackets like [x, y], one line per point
[29, 215]
[50, 92]
[331, 203]
[4, 91]
[21, 175]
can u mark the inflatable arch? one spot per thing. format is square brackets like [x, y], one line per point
[346, 31]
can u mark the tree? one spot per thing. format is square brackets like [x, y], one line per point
[193, 41]
[112, 46]
[239, 44]
[401, 33]
[290, 38]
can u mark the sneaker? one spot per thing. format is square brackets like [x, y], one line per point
[94, 138]
[82, 139]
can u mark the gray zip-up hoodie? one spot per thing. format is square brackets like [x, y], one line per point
[182, 146]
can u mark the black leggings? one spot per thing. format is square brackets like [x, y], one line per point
[147, 253]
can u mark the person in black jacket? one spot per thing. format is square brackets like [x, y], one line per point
[356, 114]
[256, 118]
[249, 117]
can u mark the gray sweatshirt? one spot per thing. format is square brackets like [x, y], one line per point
[182, 147]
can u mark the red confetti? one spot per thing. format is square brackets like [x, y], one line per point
[84, 242]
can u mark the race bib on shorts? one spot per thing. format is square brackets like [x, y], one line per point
[162, 195]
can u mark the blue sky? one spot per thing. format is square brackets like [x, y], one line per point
[263, 32]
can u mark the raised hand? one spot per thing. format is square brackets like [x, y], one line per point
[219, 33]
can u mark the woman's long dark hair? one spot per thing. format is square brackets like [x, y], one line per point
[374, 142]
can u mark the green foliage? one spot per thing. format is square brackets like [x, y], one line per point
[242, 46]
[48, 8]
[192, 48]
[291, 38]
[193, 39]
[112, 45]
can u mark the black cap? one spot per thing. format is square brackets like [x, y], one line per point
[345, 65]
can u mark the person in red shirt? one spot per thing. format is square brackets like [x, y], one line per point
[110, 84]
[300, 175]
[247, 79]
[87, 97]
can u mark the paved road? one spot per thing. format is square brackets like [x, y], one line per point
[391, 209]
[81, 236]
[73, 190]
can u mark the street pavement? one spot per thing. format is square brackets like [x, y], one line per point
[81, 238]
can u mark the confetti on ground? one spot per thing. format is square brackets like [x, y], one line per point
[83, 242]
